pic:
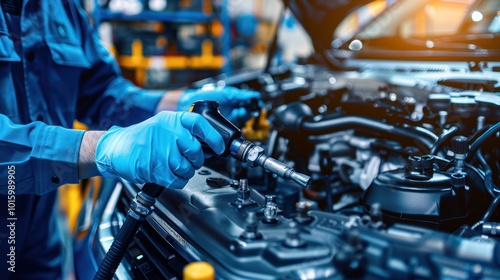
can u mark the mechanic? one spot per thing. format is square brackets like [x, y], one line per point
[54, 70]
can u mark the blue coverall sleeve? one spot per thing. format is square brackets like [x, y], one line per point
[106, 98]
[38, 157]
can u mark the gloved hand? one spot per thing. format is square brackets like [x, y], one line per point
[162, 150]
[229, 99]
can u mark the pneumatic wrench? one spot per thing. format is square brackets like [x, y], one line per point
[241, 149]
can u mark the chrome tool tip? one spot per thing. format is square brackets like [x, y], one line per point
[301, 179]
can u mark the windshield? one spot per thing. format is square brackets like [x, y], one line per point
[426, 24]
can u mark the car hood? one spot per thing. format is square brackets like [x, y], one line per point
[321, 17]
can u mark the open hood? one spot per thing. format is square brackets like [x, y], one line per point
[321, 17]
[405, 30]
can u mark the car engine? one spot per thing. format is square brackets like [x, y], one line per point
[404, 162]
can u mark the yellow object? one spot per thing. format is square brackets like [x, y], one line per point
[70, 202]
[140, 63]
[217, 29]
[79, 125]
[257, 129]
[206, 59]
[207, 7]
[199, 271]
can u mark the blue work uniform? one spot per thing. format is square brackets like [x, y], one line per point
[53, 70]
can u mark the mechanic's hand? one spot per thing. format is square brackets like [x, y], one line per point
[162, 150]
[230, 100]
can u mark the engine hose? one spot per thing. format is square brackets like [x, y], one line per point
[478, 133]
[491, 210]
[488, 176]
[139, 209]
[480, 140]
[420, 137]
[444, 137]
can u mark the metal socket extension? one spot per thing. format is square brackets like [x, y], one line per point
[253, 155]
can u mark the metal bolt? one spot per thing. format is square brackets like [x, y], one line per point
[251, 226]
[302, 212]
[271, 209]
[243, 192]
[293, 239]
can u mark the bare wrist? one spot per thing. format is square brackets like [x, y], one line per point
[86, 160]
[169, 101]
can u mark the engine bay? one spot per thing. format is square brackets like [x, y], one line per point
[404, 174]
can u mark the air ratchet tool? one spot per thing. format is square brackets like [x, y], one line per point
[241, 149]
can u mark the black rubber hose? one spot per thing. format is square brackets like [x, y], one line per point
[478, 133]
[489, 213]
[443, 138]
[118, 248]
[481, 176]
[491, 210]
[145, 199]
[420, 137]
[488, 174]
[480, 140]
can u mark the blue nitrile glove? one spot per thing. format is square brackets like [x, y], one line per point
[230, 100]
[163, 149]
